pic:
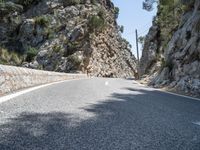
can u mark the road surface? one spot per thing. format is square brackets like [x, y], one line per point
[99, 114]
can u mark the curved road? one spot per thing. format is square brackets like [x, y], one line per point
[99, 114]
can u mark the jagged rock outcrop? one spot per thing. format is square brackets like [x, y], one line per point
[179, 61]
[149, 54]
[67, 36]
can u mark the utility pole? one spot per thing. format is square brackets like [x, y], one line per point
[138, 56]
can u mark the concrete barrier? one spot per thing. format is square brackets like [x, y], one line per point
[16, 78]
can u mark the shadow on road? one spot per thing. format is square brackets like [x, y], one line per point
[141, 119]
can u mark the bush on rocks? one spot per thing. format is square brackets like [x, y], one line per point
[31, 53]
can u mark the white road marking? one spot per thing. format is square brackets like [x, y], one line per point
[167, 92]
[106, 83]
[178, 95]
[196, 123]
[11, 96]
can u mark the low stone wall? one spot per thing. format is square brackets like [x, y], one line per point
[15, 78]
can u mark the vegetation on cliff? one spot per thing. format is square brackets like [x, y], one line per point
[65, 36]
[172, 45]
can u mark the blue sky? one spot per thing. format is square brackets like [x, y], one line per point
[132, 17]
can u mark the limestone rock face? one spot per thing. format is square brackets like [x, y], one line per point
[181, 55]
[149, 58]
[68, 36]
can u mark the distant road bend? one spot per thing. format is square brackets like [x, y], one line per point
[99, 114]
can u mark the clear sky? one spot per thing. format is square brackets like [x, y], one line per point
[132, 17]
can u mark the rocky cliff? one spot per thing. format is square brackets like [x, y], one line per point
[171, 54]
[65, 36]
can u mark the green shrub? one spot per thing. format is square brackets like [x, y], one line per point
[42, 20]
[56, 48]
[186, 8]
[27, 3]
[167, 64]
[15, 58]
[189, 3]
[101, 13]
[2, 1]
[121, 29]
[7, 7]
[31, 53]
[75, 60]
[71, 2]
[4, 54]
[94, 2]
[96, 23]
[141, 40]
[7, 57]
[71, 48]
[49, 33]
[116, 12]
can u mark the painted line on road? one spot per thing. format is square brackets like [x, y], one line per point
[178, 94]
[196, 123]
[106, 83]
[171, 93]
[19, 93]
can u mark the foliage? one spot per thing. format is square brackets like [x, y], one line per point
[31, 53]
[2, 1]
[27, 3]
[15, 58]
[148, 4]
[42, 20]
[49, 33]
[188, 2]
[167, 64]
[97, 22]
[125, 41]
[74, 59]
[141, 40]
[4, 56]
[121, 29]
[101, 13]
[7, 7]
[116, 12]
[94, 2]
[71, 48]
[9, 57]
[71, 2]
[171, 4]
[56, 48]
[168, 18]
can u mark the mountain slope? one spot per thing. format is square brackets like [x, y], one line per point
[171, 54]
[65, 36]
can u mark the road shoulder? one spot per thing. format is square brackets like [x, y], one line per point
[168, 90]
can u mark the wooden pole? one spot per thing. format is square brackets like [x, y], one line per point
[138, 56]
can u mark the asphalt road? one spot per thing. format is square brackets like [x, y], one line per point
[99, 114]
